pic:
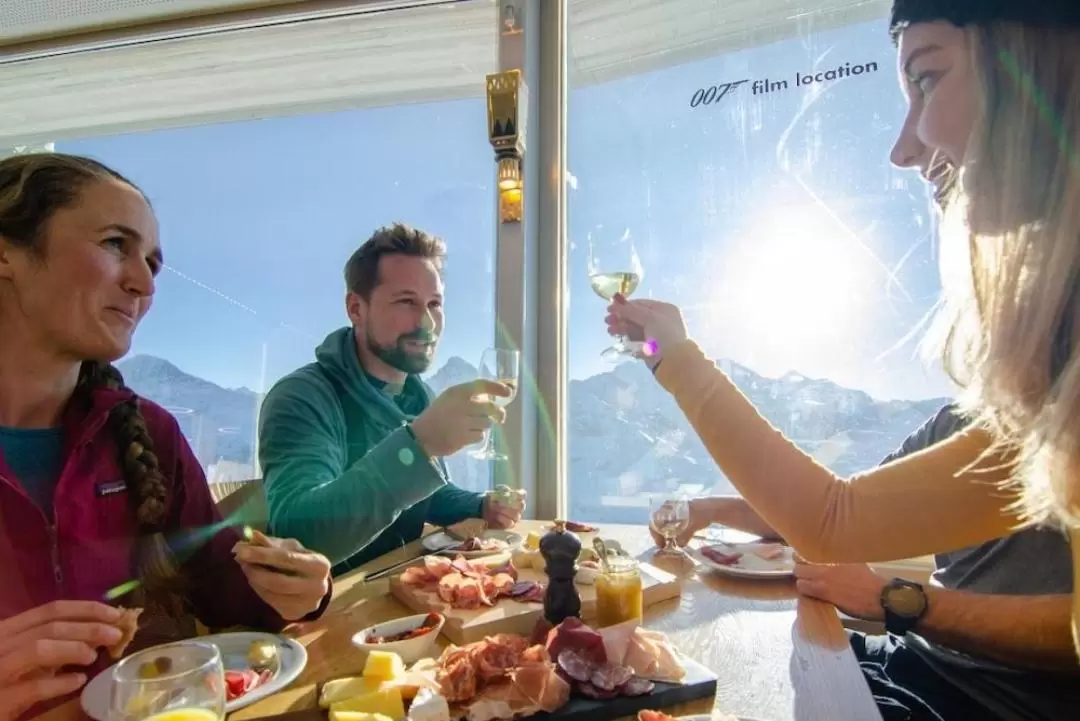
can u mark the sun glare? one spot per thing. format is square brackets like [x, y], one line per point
[797, 289]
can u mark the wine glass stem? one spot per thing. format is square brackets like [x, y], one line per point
[669, 544]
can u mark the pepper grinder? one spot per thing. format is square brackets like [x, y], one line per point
[560, 549]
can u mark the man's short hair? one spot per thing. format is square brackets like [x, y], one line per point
[362, 270]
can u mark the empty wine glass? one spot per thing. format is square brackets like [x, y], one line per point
[502, 365]
[179, 682]
[669, 517]
[614, 267]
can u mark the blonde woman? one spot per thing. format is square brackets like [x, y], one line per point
[994, 88]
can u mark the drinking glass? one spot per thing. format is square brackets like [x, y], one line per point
[669, 517]
[614, 267]
[502, 365]
[179, 682]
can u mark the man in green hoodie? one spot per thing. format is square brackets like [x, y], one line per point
[352, 445]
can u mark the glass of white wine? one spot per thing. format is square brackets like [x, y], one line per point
[179, 682]
[669, 517]
[502, 365]
[614, 267]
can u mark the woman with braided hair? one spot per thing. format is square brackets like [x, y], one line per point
[98, 488]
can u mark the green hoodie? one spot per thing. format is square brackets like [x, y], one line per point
[343, 473]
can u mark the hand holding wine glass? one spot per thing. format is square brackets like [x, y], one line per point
[660, 325]
[615, 269]
[669, 517]
[502, 365]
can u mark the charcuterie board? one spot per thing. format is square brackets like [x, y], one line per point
[699, 683]
[510, 616]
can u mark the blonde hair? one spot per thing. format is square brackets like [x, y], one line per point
[1012, 318]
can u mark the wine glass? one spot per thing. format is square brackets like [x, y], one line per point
[179, 682]
[614, 267]
[502, 365]
[669, 517]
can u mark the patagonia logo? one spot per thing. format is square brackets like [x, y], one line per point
[108, 488]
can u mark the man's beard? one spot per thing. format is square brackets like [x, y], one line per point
[396, 356]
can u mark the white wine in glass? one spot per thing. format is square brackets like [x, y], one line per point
[669, 517]
[502, 365]
[179, 682]
[615, 268]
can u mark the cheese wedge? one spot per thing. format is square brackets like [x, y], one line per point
[386, 701]
[383, 665]
[343, 689]
[358, 716]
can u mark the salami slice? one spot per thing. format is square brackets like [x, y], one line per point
[576, 666]
[589, 691]
[609, 676]
[637, 686]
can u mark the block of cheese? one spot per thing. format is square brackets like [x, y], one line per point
[358, 716]
[429, 706]
[532, 541]
[386, 700]
[343, 689]
[383, 665]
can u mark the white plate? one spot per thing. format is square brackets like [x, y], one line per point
[234, 648]
[751, 565]
[439, 540]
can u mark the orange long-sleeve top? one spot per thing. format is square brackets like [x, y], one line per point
[950, 496]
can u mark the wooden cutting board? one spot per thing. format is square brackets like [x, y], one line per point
[510, 616]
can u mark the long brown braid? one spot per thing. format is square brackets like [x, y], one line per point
[161, 585]
[32, 188]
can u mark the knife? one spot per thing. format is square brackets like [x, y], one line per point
[376, 575]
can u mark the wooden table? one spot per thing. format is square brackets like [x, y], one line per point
[777, 658]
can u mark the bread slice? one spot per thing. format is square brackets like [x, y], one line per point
[129, 626]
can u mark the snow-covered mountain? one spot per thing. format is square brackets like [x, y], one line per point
[628, 438]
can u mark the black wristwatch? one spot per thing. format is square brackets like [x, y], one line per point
[905, 603]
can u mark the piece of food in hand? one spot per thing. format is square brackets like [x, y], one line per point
[128, 625]
[383, 665]
[386, 700]
[256, 538]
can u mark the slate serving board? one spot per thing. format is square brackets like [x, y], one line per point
[700, 683]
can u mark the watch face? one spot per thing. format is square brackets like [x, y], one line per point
[905, 600]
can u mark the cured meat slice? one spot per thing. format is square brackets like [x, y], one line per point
[716, 555]
[609, 677]
[770, 551]
[535, 654]
[496, 655]
[501, 584]
[649, 715]
[437, 566]
[576, 666]
[416, 576]
[449, 585]
[507, 568]
[637, 687]
[589, 691]
[574, 634]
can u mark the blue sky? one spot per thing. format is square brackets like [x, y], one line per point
[774, 220]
